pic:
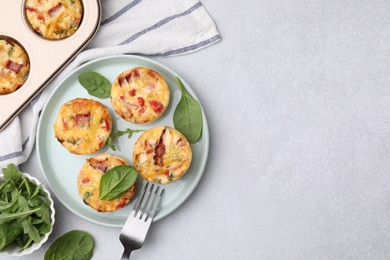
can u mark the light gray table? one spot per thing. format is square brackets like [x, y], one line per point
[297, 97]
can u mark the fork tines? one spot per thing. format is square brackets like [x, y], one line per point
[147, 202]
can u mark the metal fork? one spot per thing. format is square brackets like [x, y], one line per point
[134, 231]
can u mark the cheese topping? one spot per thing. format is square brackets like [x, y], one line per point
[54, 19]
[14, 66]
[162, 155]
[140, 95]
[88, 183]
[83, 126]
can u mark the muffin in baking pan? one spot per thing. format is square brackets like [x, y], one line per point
[54, 19]
[140, 95]
[88, 183]
[14, 65]
[83, 126]
[162, 155]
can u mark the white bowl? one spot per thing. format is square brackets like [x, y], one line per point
[13, 250]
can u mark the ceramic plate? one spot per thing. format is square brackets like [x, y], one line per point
[61, 168]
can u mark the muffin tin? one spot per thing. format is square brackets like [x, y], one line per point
[47, 57]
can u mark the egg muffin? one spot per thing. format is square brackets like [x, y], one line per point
[88, 183]
[54, 19]
[162, 155]
[14, 66]
[140, 95]
[83, 126]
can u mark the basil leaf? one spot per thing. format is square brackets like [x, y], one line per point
[187, 117]
[116, 181]
[96, 84]
[74, 245]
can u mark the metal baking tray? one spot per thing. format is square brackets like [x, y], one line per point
[47, 57]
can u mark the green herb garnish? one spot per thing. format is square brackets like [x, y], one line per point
[24, 210]
[75, 244]
[96, 84]
[187, 117]
[116, 181]
[119, 133]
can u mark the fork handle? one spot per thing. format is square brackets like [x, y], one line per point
[126, 255]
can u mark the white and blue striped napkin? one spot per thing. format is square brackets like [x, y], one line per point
[149, 27]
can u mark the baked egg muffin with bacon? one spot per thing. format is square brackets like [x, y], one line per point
[54, 19]
[83, 125]
[88, 183]
[140, 95]
[162, 155]
[14, 66]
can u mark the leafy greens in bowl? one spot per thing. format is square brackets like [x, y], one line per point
[26, 212]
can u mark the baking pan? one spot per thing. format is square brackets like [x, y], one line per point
[47, 57]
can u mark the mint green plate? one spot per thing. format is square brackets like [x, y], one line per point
[61, 168]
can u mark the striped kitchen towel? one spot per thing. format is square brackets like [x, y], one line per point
[149, 27]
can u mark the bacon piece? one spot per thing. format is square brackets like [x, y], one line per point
[85, 181]
[120, 205]
[157, 106]
[131, 75]
[40, 17]
[54, 10]
[152, 74]
[120, 81]
[150, 87]
[132, 92]
[98, 164]
[106, 124]
[141, 101]
[159, 150]
[15, 67]
[148, 147]
[141, 110]
[31, 9]
[128, 104]
[83, 120]
[178, 141]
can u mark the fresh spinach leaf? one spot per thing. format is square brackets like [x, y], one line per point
[187, 117]
[116, 181]
[74, 245]
[96, 84]
[10, 216]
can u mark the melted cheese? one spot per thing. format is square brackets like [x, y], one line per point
[176, 157]
[83, 126]
[14, 66]
[140, 95]
[88, 183]
[54, 19]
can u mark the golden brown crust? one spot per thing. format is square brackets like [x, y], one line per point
[140, 95]
[162, 155]
[88, 183]
[14, 66]
[83, 126]
[54, 19]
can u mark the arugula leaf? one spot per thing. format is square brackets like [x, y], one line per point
[128, 131]
[116, 181]
[110, 144]
[96, 84]
[28, 228]
[75, 244]
[115, 136]
[187, 117]
[11, 173]
[24, 210]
